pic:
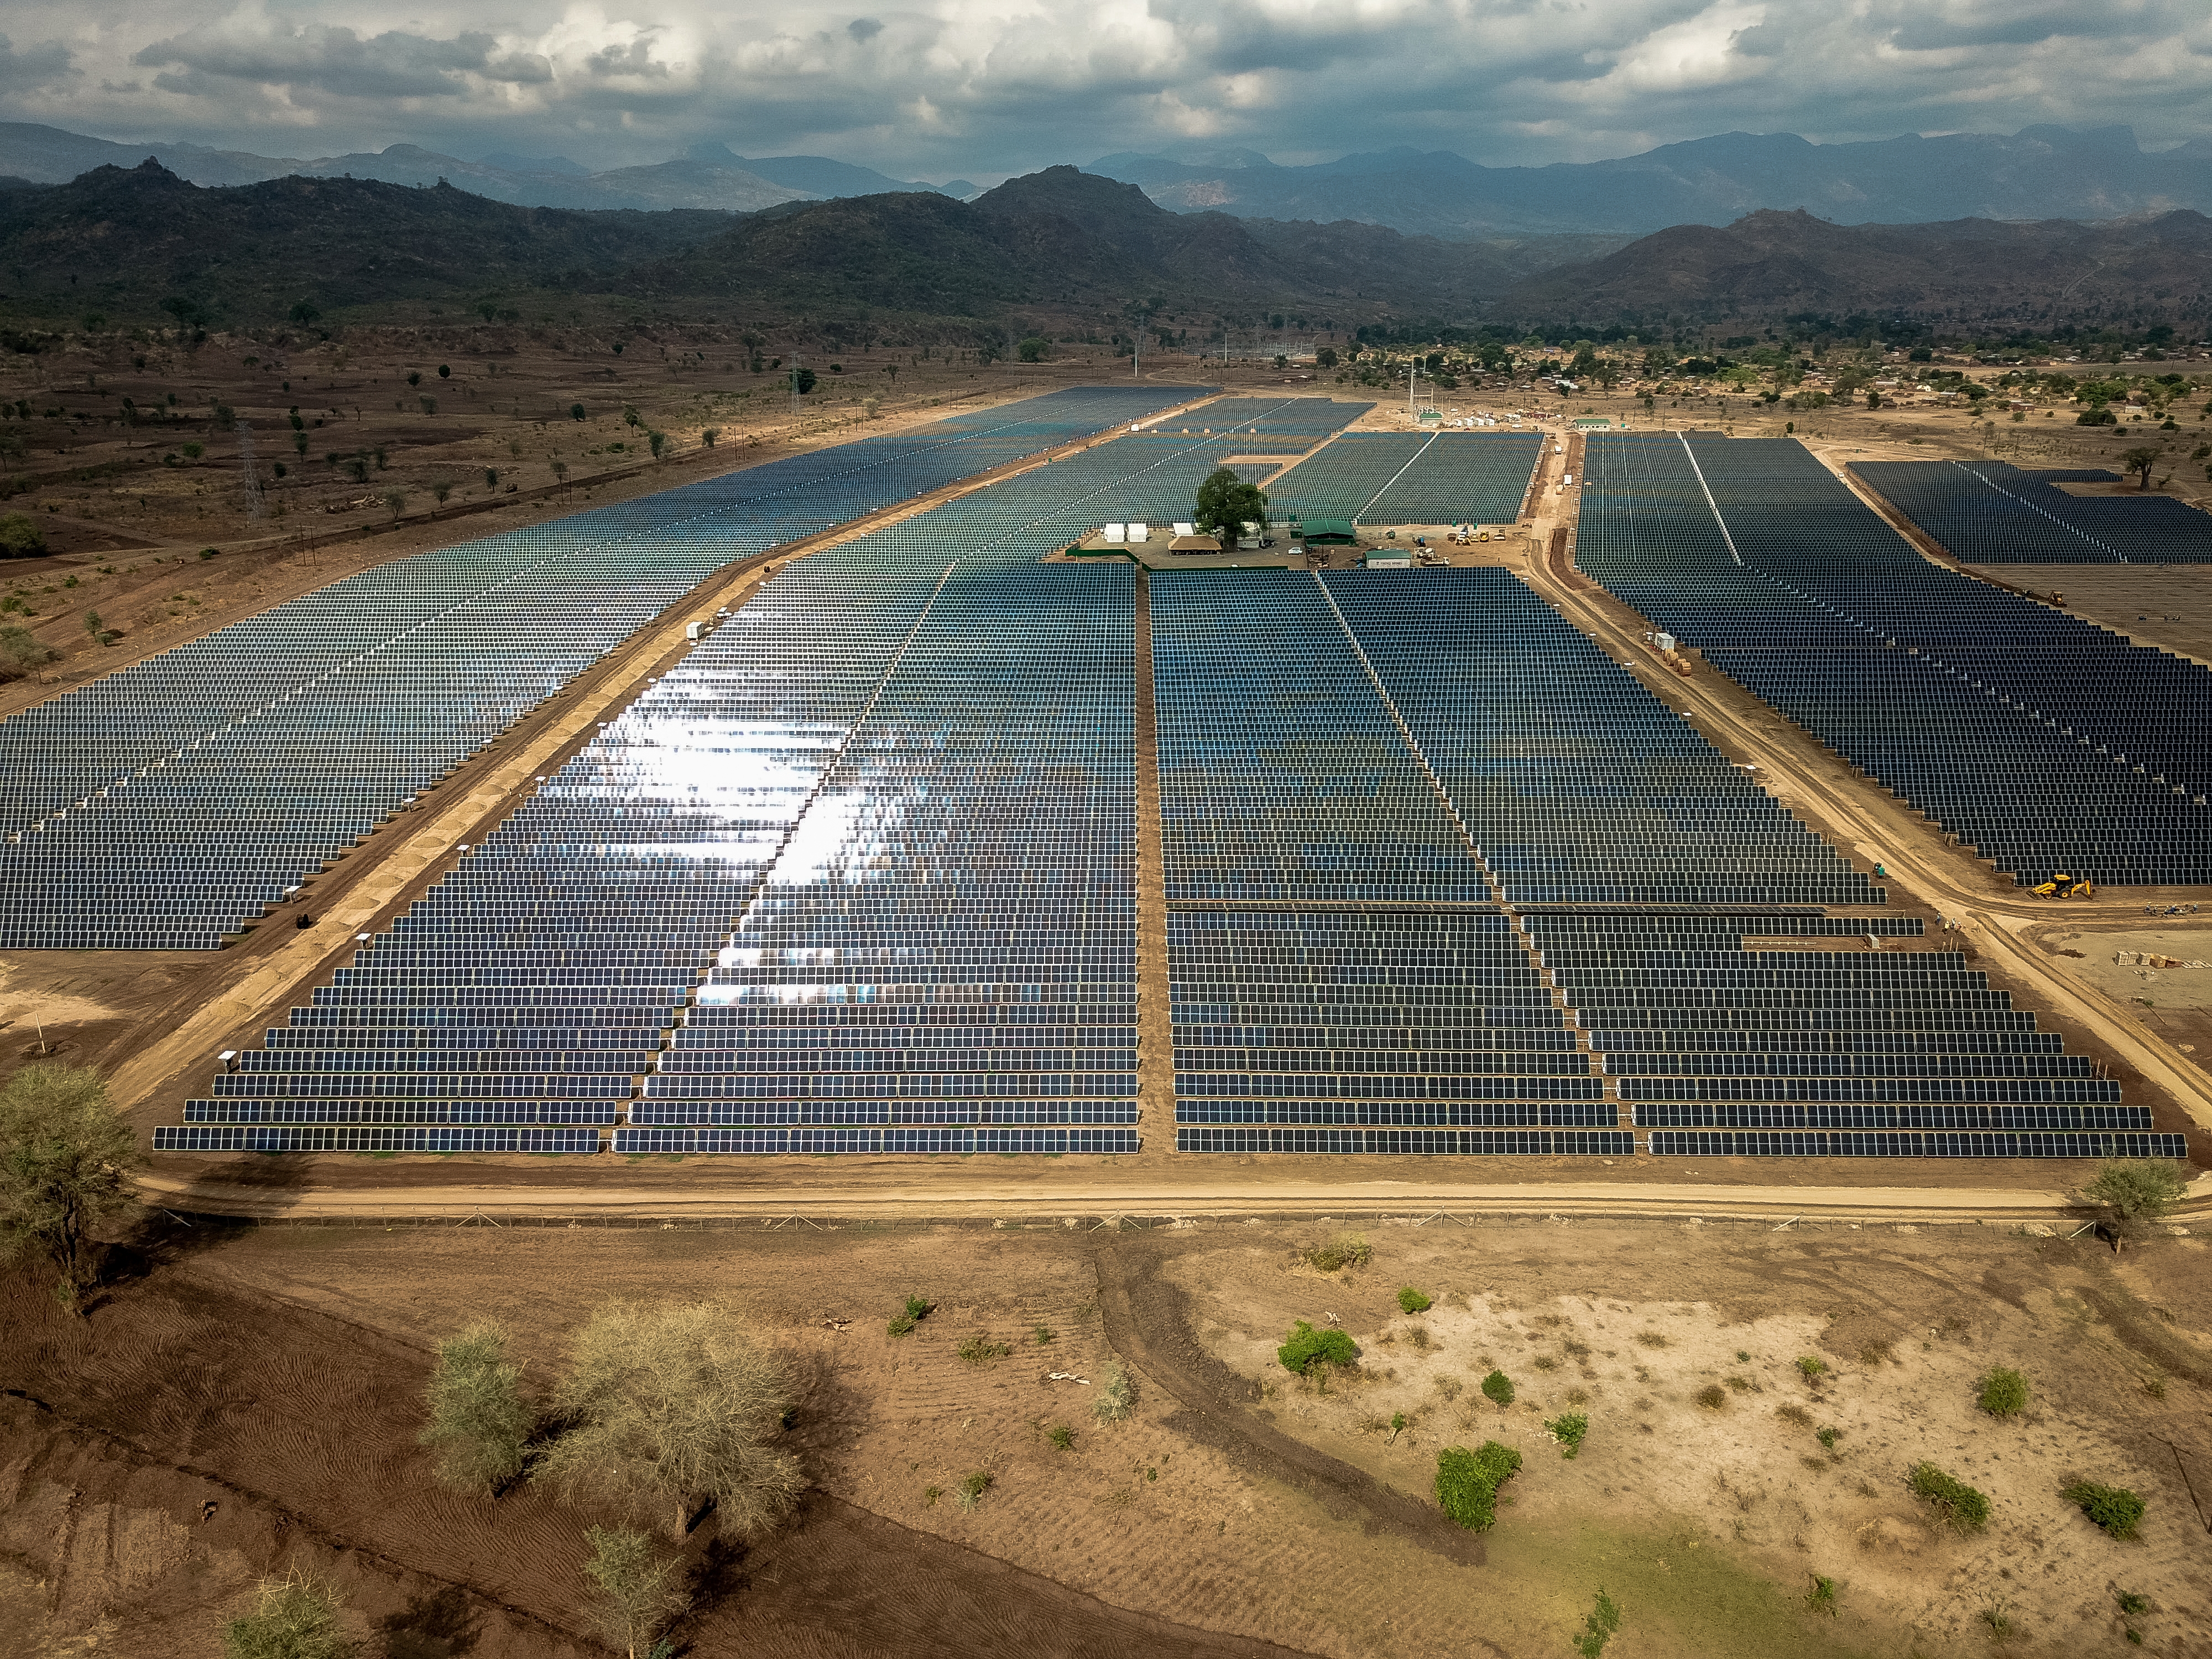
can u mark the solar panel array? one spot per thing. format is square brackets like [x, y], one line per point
[1807, 1052]
[169, 804]
[1990, 512]
[1461, 478]
[857, 876]
[2046, 742]
[1338, 481]
[1340, 981]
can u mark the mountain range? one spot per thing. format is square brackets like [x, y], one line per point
[1966, 275]
[1053, 250]
[2039, 173]
[707, 176]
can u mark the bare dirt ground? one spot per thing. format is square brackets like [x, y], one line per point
[247, 1399]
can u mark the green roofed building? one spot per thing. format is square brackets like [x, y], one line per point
[1328, 532]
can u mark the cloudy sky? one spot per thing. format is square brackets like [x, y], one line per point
[988, 87]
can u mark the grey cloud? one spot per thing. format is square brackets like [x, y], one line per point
[864, 29]
[636, 60]
[46, 65]
[394, 64]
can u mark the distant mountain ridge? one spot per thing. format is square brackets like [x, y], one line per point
[2039, 173]
[708, 176]
[1974, 275]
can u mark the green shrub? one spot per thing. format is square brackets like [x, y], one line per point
[1305, 1345]
[1498, 1388]
[1062, 1437]
[20, 653]
[294, 1617]
[913, 1314]
[1813, 1366]
[1712, 1397]
[1117, 1398]
[969, 1494]
[2003, 1392]
[1344, 1250]
[2115, 1509]
[1568, 1429]
[2132, 1603]
[1412, 1301]
[21, 537]
[1821, 1598]
[981, 1351]
[1600, 1628]
[1961, 1505]
[479, 1422]
[1467, 1482]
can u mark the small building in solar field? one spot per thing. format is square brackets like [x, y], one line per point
[1194, 544]
[1328, 532]
[1388, 558]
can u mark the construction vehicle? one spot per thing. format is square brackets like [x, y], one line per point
[2063, 885]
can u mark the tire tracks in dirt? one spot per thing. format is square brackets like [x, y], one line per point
[1147, 1320]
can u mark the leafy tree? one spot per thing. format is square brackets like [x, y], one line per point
[1034, 348]
[1226, 503]
[479, 1417]
[636, 1593]
[2134, 1192]
[293, 1618]
[675, 1404]
[396, 500]
[2139, 460]
[802, 380]
[20, 653]
[575, 411]
[1326, 357]
[65, 1164]
[440, 489]
[21, 537]
[657, 442]
[303, 311]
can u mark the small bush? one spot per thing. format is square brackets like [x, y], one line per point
[2003, 1392]
[293, 1618]
[1813, 1367]
[1568, 1429]
[1827, 1438]
[1965, 1509]
[1043, 1333]
[913, 1314]
[1797, 1414]
[1117, 1398]
[1821, 1598]
[1603, 1624]
[1544, 1362]
[1467, 1482]
[981, 1351]
[2115, 1509]
[969, 1494]
[2134, 1604]
[1712, 1397]
[1652, 1339]
[1344, 1250]
[1305, 1345]
[1498, 1388]
[1412, 1300]
[1062, 1437]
